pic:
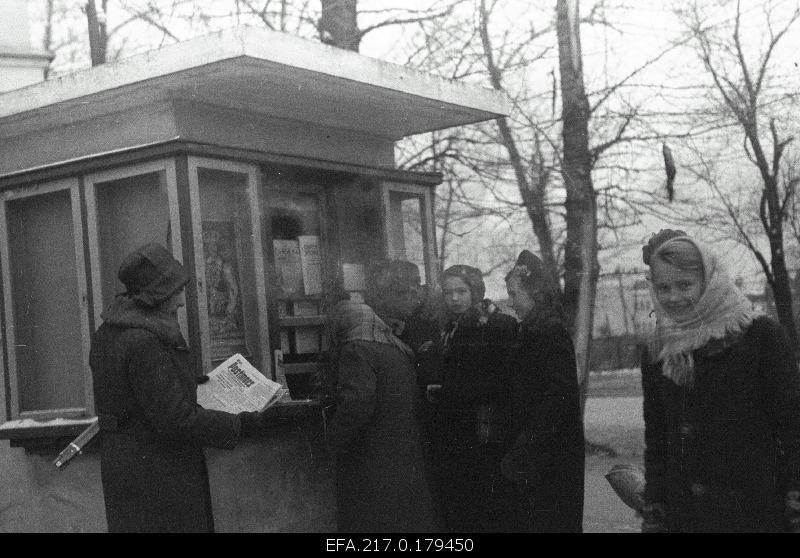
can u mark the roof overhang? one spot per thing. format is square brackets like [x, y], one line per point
[263, 71]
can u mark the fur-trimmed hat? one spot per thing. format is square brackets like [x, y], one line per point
[151, 275]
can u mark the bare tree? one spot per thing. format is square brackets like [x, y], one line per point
[98, 36]
[47, 40]
[739, 84]
[338, 24]
[580, 254]
[338, 21]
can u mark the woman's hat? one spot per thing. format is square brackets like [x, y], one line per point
[151, 275]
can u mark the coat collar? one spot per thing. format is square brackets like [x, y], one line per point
[125, 313]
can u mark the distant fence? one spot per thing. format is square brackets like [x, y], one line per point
[615, 352]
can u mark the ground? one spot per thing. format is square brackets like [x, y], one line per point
[615, 429]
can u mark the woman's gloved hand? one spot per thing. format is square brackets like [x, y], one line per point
[653, 519]
[253, 423]
[792, 510]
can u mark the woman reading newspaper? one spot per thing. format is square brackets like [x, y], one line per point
[152, 465]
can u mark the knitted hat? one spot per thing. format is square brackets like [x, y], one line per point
[151, 275]
[473, 278]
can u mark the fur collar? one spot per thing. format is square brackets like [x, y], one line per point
[125, 313]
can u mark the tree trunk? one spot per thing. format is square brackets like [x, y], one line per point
[98, 39]
[772, 222]
[338, 24]
[532, 193]
[580, 253]
[47, 42]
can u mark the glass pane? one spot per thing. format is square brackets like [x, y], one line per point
[130, 212]
[294, 222]
[47, 316]
[227, 253]
[406, 233]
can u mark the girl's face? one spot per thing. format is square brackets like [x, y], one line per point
[677, 290]
[520, 299]
[457, 295]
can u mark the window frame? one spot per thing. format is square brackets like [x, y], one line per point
[91, 182]
[11, 409]
[426, 197]
[320, 192]
[252, 193]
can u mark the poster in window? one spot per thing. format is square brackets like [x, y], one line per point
[223, 289]
[288, 267]
[311, 262]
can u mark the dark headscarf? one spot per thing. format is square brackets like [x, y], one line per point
[534, 279]
[531, 273]
[151, 275]
[471, 276]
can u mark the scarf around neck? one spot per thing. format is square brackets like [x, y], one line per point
[476, 315]
[354, 321]
[722, 312]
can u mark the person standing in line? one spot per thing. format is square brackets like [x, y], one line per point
[152, 430]
[545, 458]
[464, 429]
[721, 401]
[381, 482]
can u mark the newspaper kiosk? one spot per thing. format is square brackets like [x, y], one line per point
[266, 164]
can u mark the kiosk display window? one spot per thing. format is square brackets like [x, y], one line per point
[293, 221]
[46, 314]
[409, 227]
[230, 296]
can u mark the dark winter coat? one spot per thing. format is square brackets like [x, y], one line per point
[546, 454]
[380, 479]
[152, 464]
[464, 426]
[721, 456]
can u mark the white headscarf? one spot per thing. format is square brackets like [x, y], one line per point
[723, 310]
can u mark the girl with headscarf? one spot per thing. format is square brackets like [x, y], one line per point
[721, 401]
[545, 460]
[381, 485]
[466, 397]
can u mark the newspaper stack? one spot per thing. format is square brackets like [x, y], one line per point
[236, 386]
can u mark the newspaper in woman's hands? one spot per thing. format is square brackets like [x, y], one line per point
[235, 386]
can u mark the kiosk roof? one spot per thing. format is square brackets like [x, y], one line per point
[264, 71]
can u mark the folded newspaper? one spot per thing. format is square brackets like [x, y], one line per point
[236, 386]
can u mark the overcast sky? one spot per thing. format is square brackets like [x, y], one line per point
[639, 32]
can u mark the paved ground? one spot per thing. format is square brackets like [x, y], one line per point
[615, 422]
